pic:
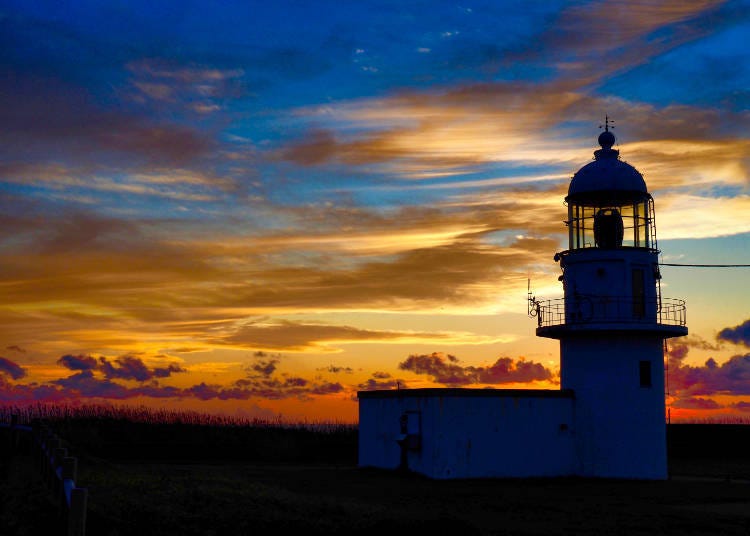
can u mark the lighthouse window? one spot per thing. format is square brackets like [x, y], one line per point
[645, 373]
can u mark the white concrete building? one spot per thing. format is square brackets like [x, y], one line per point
[608, 419]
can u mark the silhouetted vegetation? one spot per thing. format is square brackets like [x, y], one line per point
[138, 433]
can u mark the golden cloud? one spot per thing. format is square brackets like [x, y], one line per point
[95, 283]
[690, 216]
[287, 336]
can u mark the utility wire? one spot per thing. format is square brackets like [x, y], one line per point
[707, 265]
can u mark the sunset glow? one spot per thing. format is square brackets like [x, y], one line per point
[260, 209]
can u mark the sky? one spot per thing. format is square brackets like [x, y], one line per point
[260, 208]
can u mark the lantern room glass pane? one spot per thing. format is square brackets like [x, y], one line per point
[637, 223]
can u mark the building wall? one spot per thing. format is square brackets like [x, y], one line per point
[620, 425]
[511, 434]
[379, 429]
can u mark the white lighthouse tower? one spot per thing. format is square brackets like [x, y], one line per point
[613, 321]
[607, 420]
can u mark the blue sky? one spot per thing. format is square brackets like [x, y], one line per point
[329, 188]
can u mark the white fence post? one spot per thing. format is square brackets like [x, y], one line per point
[77, 512]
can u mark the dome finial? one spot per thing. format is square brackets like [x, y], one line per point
[606, 138]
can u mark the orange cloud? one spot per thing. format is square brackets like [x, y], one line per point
[290, 336]
[446, 369]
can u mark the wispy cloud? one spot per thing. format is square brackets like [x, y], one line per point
[444, 132]
[48, 121]
[591, 41]
[190, 87]
[300, 337]
[438, 135]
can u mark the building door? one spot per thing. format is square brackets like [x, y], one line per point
[639, 292]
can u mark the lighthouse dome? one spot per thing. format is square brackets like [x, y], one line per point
[607, 176]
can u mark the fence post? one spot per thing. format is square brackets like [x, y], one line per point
[37, 447]
[52, 445]
[58, 489]
[69, 468]
[60, 454]
[43, 438]
[77, 512]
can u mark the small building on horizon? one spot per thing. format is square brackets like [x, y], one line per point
[608, 417]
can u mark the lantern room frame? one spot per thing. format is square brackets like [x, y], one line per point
[638, 222]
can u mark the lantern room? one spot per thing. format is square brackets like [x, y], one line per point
[609, 206]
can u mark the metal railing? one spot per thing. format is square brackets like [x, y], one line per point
[609, 310]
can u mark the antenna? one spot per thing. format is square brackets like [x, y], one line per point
[607, 123]
[529, 296]
[533, 304]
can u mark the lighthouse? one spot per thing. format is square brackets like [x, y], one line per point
[613, 320]
[607, 419]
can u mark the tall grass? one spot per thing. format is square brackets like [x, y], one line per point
[714, 420]
[145, 415]
[142, 433]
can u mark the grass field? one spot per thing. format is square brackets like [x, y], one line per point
[318, 499]
[304, 480]
[234, 499]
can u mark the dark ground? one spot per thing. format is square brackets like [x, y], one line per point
[244, 499]
[708, 493]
